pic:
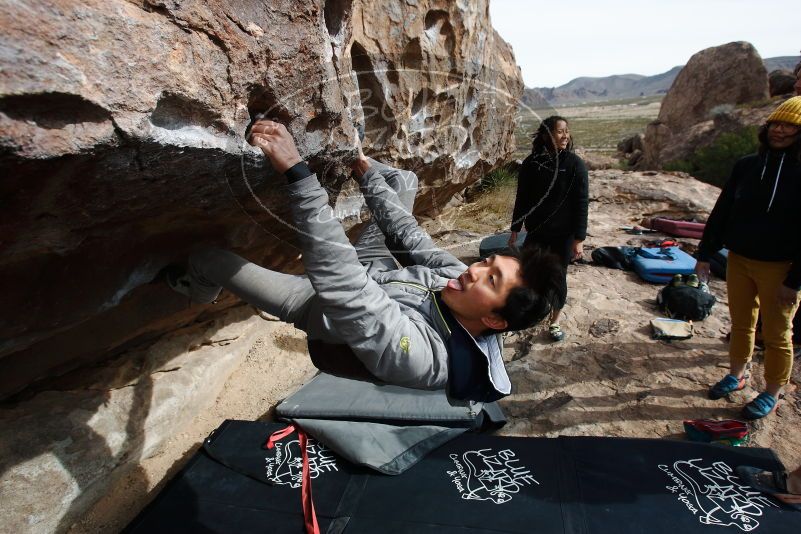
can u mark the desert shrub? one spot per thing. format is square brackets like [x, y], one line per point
[713, 164]
[490, 200]
[681, 165]
[495, 179]
[722, 109]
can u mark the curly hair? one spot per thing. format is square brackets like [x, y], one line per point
[543, 138]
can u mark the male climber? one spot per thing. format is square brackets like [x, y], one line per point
[430, 325]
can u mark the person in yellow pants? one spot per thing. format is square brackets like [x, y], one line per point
[758, 218]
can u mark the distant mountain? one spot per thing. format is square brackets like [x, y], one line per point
[586, 89]
[783, 62]
[533, 98]
[619, 86]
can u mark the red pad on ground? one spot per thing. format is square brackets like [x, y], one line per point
[678, 228]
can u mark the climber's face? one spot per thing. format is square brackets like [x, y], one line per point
[561, 135]
[474, 296]
[782, 134]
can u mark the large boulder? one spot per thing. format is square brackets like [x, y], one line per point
[704, 95]
[122, 144]
[631, 148]
[781, 82]
[729, 74]
[662, 146]
[439, 90]
[657, 136]
[630, 144]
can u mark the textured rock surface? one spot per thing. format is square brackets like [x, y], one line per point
[448, 85]
[781, 82]
[661, 145]
[64, 449]
[122, 148]
[597, 161]
[729, 74]
[713, 82]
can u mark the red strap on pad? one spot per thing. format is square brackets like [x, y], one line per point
[309, 515]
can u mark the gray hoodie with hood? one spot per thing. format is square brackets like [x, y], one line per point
[392, 321]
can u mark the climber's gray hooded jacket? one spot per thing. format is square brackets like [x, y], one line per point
[393, 321]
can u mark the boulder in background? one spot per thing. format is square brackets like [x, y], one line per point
[714, 81]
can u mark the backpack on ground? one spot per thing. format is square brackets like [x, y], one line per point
[685, 298]
[614, 257]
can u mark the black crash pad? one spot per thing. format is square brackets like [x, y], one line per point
[475, 483]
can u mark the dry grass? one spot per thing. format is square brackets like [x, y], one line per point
[489, 211]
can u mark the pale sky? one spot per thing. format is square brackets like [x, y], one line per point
[555, 42]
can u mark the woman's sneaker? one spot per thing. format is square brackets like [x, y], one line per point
[555, 332]
[729, 384]
[761, 406]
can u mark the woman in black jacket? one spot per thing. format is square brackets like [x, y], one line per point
[757, 217]
[552, 199]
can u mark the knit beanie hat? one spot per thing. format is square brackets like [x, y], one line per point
[788, 111]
